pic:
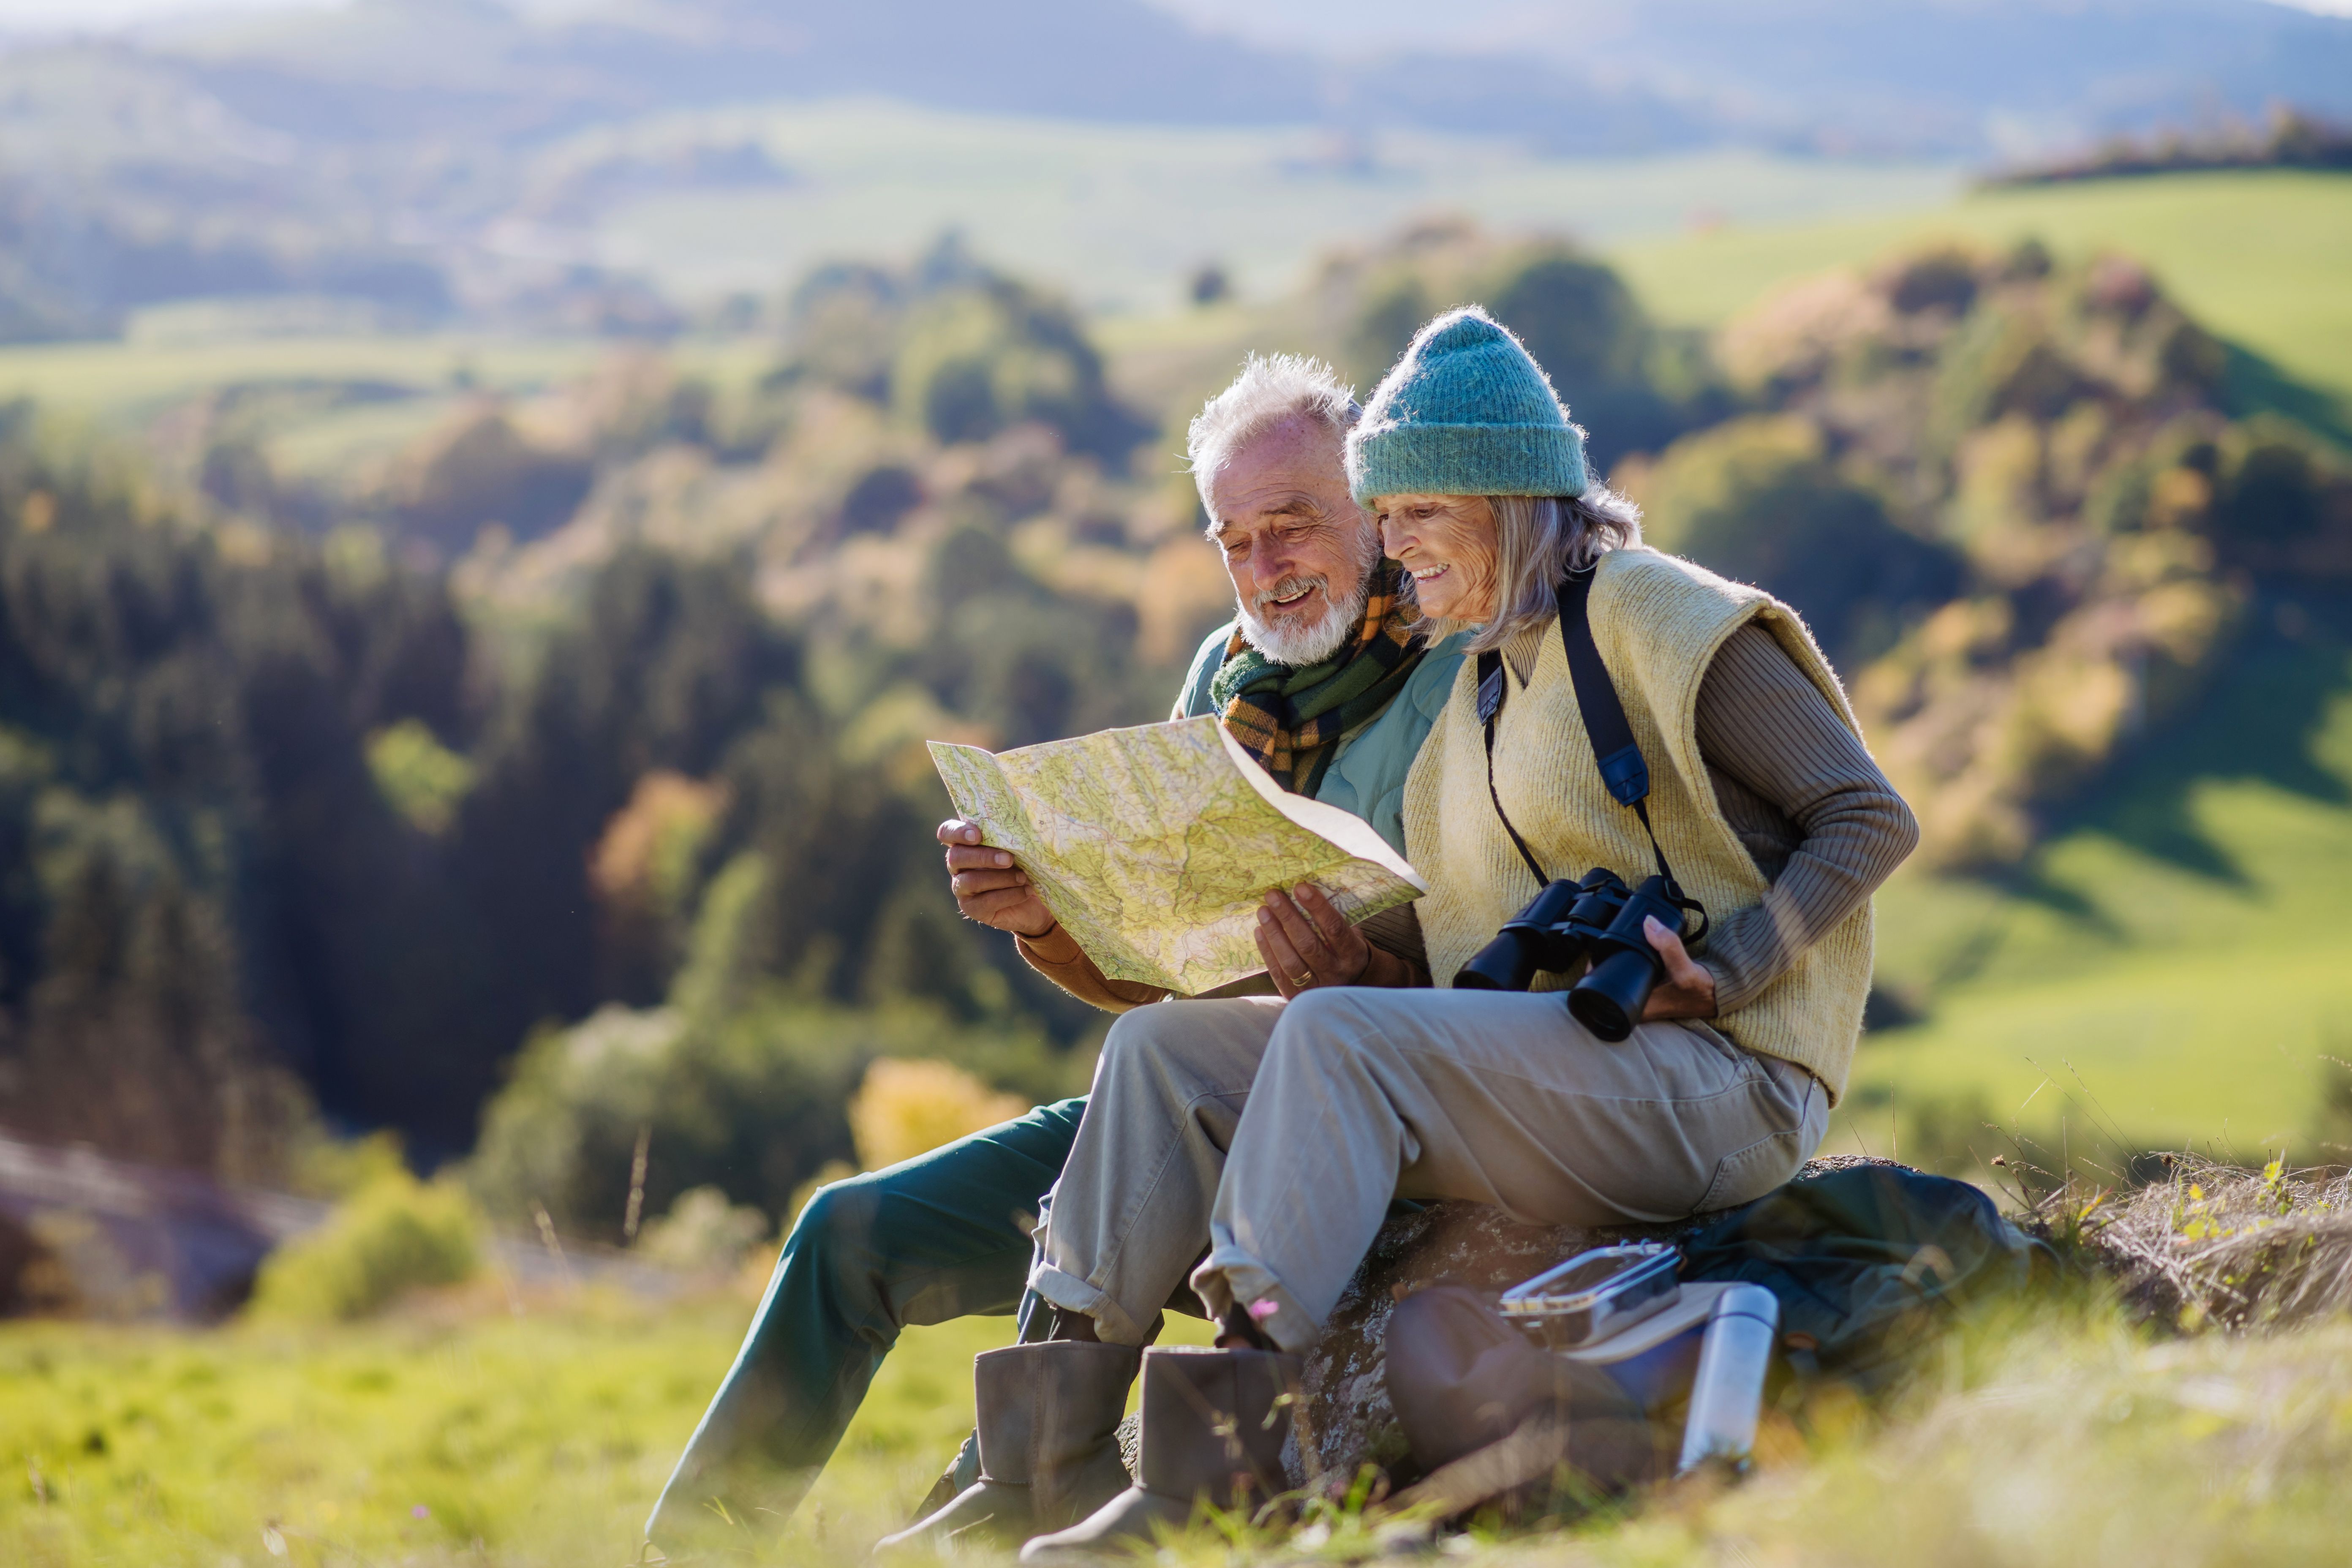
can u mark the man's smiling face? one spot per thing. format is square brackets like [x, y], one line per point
[1299, 551]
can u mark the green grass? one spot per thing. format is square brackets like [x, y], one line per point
[2264, 258]
[2050, 1436]
[544, 1437]
[527, 1437]
[2047, 1440]
[131, 378]
[416, 381]
[2175, 964]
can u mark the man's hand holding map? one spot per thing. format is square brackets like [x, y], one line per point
[1154, 846]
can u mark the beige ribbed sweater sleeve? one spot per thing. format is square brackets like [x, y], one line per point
[1800, 789]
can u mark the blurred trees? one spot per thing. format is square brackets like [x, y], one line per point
[2012, 500]
[394, 1234]
[1633, 385]
[296, 821]
[333, 806]
[1758, 499]
[905, 1109]
[478, 470]
[186, 805]
[963, 351]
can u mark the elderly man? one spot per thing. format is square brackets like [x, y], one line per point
[1320, 677]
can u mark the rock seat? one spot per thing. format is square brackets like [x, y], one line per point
[1345, 1419]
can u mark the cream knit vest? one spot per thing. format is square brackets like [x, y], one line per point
[1658, 621]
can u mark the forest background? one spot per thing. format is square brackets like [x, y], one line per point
[496, 501]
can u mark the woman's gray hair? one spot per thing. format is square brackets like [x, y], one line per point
[1538, 539]
[1270, 389]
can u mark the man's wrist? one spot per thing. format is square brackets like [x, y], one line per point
[1052, 945]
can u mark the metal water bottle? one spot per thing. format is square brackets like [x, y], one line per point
[1728, 1397]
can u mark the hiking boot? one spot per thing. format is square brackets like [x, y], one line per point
[1214, 1424]
[1048, 1446]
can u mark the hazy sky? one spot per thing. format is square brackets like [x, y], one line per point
[100, 15]
[91, 14]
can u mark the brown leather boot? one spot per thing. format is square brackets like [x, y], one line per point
[1214, 1424]
[1048, 1425]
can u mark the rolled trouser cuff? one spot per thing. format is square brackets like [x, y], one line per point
[1072, 1294]
[1232, 1274]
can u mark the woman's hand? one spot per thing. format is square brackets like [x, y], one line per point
[1688, 989]
[989, 888]
[1306, 943]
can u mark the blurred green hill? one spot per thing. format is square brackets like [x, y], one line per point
[2255, 255]
[2168, 970]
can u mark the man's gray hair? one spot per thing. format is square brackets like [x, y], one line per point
[1538, 539]
[1270, 389]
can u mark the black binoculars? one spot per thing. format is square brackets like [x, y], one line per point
[1598, 920]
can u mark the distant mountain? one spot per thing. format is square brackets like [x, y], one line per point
[1970, 76]
[381, 68]
[343, 149]
[339, 150]
[1967, 78]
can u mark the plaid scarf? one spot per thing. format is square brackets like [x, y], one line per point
[1291, 718]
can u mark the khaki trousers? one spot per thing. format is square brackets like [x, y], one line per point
[1275, 1134]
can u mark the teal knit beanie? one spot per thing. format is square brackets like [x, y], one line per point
[1466, 412]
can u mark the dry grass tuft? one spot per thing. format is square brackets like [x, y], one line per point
[2217, 1246]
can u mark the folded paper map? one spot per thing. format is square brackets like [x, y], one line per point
[1154, 846]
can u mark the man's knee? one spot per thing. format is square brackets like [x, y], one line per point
[1150, 1041]
[836, 1231]
[1139, 1029]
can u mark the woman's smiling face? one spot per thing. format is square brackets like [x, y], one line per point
[1448, 543]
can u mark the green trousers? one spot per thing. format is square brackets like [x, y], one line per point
[944, 1236]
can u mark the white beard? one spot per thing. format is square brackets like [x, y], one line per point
[1286, 640]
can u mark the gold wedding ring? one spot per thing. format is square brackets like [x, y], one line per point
[1302, 979]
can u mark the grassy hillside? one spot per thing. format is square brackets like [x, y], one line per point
[2172, 969]
[130, 377]
[477, 1429]
[135, 376]
[410, 1440]
[322, 404]
[2255, 255]
[538, 1439]
[1117, 215]
[2258, 258]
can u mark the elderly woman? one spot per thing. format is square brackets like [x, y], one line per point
[1275, 1132]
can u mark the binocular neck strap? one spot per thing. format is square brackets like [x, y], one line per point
[1623, 771]
[1490, 707]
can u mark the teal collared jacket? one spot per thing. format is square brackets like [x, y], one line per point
[1367, 778]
